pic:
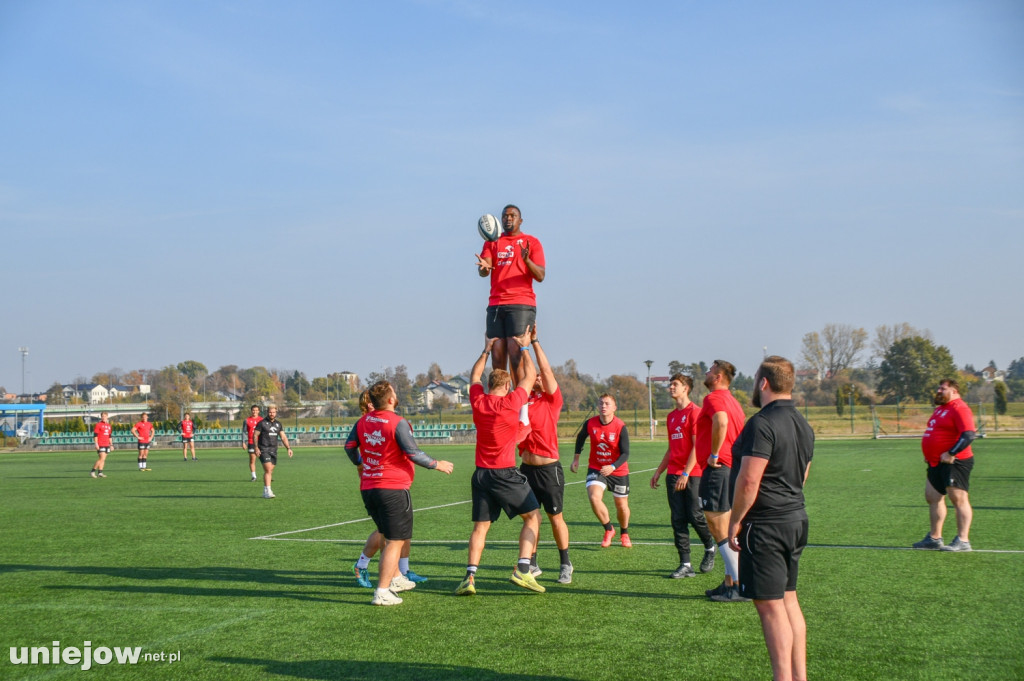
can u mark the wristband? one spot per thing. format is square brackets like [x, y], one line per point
[524, 348]
[684, 474]
[713, 456]
[534, 341]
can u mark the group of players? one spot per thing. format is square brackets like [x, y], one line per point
[142, 430]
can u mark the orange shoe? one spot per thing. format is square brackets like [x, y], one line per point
[607, 540]
[626, 542]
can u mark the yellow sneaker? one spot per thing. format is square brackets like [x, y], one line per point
[466, 588]
[526, 580]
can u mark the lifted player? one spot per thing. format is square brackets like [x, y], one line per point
[608, 467]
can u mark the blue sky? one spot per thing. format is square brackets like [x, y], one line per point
[296, 185]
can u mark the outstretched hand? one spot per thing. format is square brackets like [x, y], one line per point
[482, 264]
[524, 338]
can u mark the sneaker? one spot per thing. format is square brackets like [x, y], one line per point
[607, 540]
[93, 474]
[268, 495]
[565, 574]
[626, 541]
[362, 576]
[718, 590]
[466, 588]
[526, 581]
[195, 458]
[707, 563]
[415, 578]
[683, 571]
[146, 470]
[730, 595]
[400, 584]
[957, 545]
[101, 474]
[929, 542]
[536, 571]
[385, 597]
[252, 479]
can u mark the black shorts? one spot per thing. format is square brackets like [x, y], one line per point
[505, 321]
[268, 456]
[715, 492]
[144, 445]
[185, 439]
[497, 489]
[391, 510]
[951, 475]
[618, 484]
[251, 448]
[103, 450]
[770, 557]
[548, 485]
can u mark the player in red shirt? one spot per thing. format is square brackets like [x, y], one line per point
[247, 441]
[497, 483]
[684, 478]
[608, 467]
[539, 452]
[719, 423]
[382, 445]
[947, 450]
[101, 437]
[143, 432]
[188, 433]
[513, 262]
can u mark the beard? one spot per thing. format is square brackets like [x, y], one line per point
[938, 400]
[755, 399]
[709, 382]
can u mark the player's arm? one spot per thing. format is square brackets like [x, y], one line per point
[747, 484]
[581, 439]
[543, 365]
[623, 453]
[719, 427]
[407, 443]
[256, 433]
[352, 446]
[284, 439]
[536, 271]
[965, 440]
[691, 462]
[477, 374]
[484, 263]
[529, 370]
[135, 432]
[661, 468]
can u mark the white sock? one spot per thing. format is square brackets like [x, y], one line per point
[524, 415]
[380, 592]
[363, 562]
[403, 565]
[266, 489]
[731, 559]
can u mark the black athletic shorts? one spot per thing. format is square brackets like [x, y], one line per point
[268, 456]
[715, 492]
[618, 484]
[505, 321]
[144, 445]
[770, 557]
[251, 448]
[186, 439]
[391, 510]
[548, 485]
[103, 450]
[951, 475]
[497, 489]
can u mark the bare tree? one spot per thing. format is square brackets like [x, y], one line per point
[834, 349]
[886, 335]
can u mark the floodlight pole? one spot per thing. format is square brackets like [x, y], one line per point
[650, 398]
[24, 353]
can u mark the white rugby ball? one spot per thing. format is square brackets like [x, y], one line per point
[489, 227]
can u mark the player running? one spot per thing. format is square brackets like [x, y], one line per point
[608, 468]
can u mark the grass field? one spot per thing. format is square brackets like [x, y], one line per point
[172, 561]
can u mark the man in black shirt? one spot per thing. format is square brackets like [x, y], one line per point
[768, 526]
[265, 437]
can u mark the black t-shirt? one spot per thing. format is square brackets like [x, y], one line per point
[266, 433]
[780, 434]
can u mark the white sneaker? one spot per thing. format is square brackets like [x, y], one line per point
[268, 495]
[401, 583]
[385, 597]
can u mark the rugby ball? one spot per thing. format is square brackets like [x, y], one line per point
[489, 227]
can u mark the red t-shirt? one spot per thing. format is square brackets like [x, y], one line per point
[145, 430]
[250, 426]
[497, 422]
[682, 424]
[716, 401]
[102, 434]
[385, 465]
[187, 428]
[544, 412]
[604, 444]
[948, 421]
[511, 281]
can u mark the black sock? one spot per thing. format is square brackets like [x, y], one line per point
[624, 530]
[563, 556]
[533, 559]
[608, 526]
[523, 566]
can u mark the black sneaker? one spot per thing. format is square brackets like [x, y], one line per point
[929, 543]
[707, 563]
[683, 571]
[730, 595]
[718, 590]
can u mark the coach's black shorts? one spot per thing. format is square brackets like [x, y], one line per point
[144, 445]
[951, 475]
[251, 448]
[618, 484]
[268, 456]
[391, 510]
[770, 557]
[715, 492]
[185, 439]
[495, 489]
[505, 321]
[548, 485]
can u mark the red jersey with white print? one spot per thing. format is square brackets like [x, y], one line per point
[511, 281]
[385, 465]
[188, 428]
[102, 434]
[682, 424]
[145, 430]
[497, 421]
[714, 402]
[544, 412]
[948, 421]
[250, 426]
[604, 443]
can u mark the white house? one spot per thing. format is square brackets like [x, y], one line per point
[437, 389]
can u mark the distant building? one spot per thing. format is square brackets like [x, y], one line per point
[990, 374]
[438, 389]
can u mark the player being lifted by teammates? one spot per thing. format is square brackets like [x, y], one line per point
[539, 452]
[381, 443]
[608, 467]
[497, 483]
[248, 442]
[143, 432]
[188, 435]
